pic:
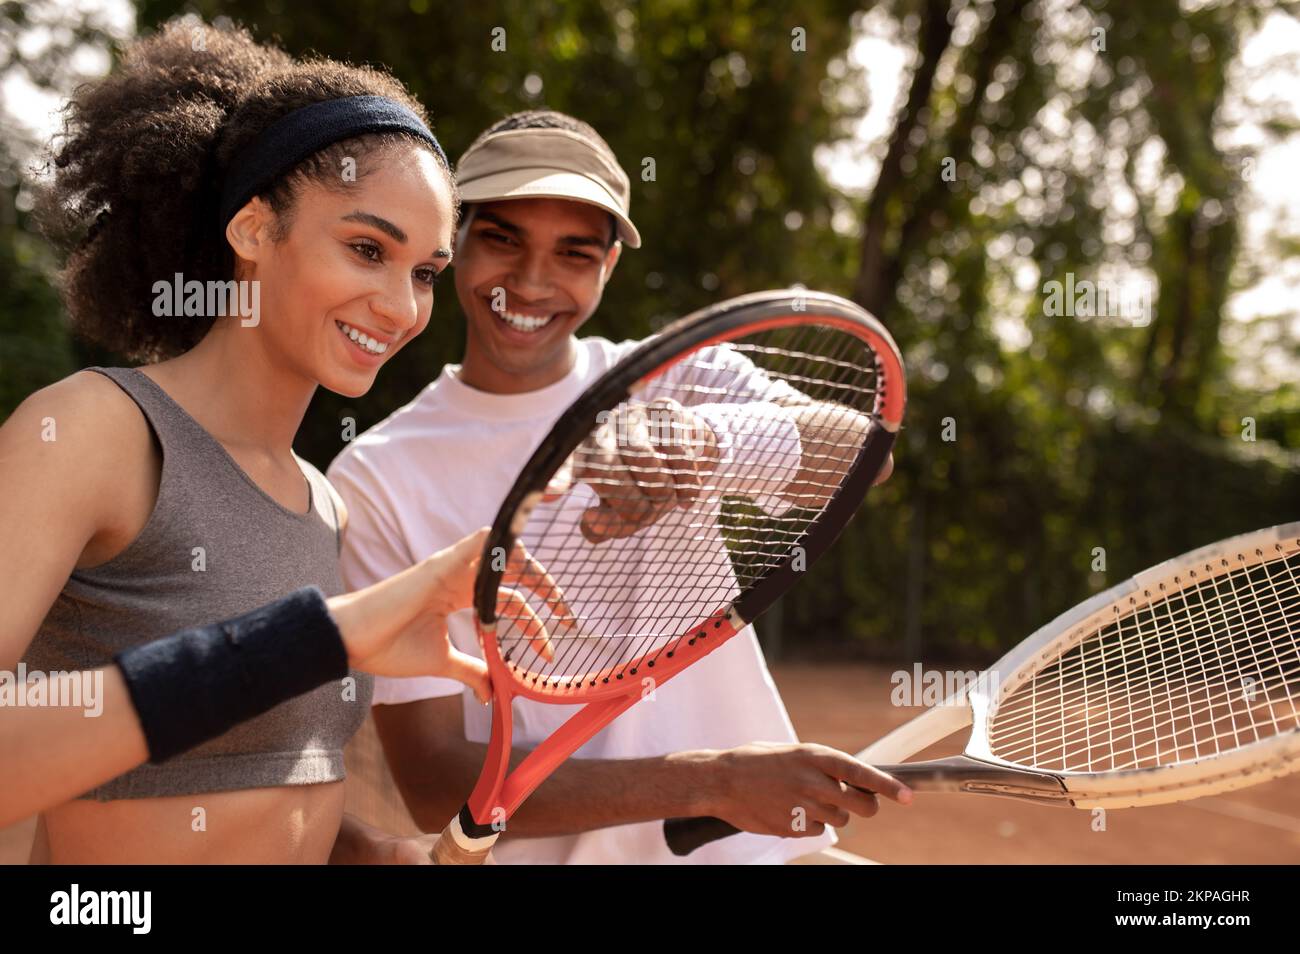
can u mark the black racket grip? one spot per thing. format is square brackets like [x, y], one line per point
[684, 835]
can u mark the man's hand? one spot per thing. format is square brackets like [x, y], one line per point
[792, 790]
[643, 461]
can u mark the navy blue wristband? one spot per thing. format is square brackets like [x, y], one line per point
[199, 683]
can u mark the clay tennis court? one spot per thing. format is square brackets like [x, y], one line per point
[1259, 825]
[847, 706]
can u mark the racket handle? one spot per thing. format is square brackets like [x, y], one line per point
[684, 835]
[455, 847]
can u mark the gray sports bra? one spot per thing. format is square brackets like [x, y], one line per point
[215, 546]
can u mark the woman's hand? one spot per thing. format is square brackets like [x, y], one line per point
[398, 627]
[361, 844]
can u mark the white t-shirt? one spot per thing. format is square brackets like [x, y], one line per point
[438, 469]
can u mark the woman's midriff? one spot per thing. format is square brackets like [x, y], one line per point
[286, 825]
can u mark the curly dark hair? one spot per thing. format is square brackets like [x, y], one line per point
[141, 159]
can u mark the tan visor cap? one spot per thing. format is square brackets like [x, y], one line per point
[546, 164]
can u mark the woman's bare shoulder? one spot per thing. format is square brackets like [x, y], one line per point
[79, 439]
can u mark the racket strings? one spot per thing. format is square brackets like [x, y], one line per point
[1147, 717]
[687, 570]
[1205, 669]
[796, 404]
[745, 552]
[1156, 690]
[1093, 669]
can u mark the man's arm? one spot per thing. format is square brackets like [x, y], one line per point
[436, 767]
[735, 430]
[829, 433]
[758, 788]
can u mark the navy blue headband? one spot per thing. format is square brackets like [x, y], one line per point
[291, 139]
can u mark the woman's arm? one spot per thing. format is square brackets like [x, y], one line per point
[171, 694]
[56, 753]
[76, 460]
[65, 479]
[56, 471]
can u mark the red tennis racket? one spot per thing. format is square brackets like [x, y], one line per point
[673, 503]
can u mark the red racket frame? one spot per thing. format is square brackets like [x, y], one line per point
[500, 791]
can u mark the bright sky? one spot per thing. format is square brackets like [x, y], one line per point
[34, 107]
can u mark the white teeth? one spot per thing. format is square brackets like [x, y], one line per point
[525, 322]
[365, 341]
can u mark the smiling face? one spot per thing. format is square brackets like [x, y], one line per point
[529, 272]
[350, 281]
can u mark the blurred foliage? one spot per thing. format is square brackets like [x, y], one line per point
[1022, 152]
[34, 344]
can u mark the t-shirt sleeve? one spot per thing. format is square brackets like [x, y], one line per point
[758, 439]
[721, 373]
[374, 548]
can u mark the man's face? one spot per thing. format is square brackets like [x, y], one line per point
[529, 272]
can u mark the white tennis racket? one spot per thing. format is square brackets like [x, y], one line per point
[1181, 682]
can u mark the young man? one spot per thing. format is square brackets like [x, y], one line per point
[545, 220]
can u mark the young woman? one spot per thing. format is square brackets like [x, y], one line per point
[138, 502]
